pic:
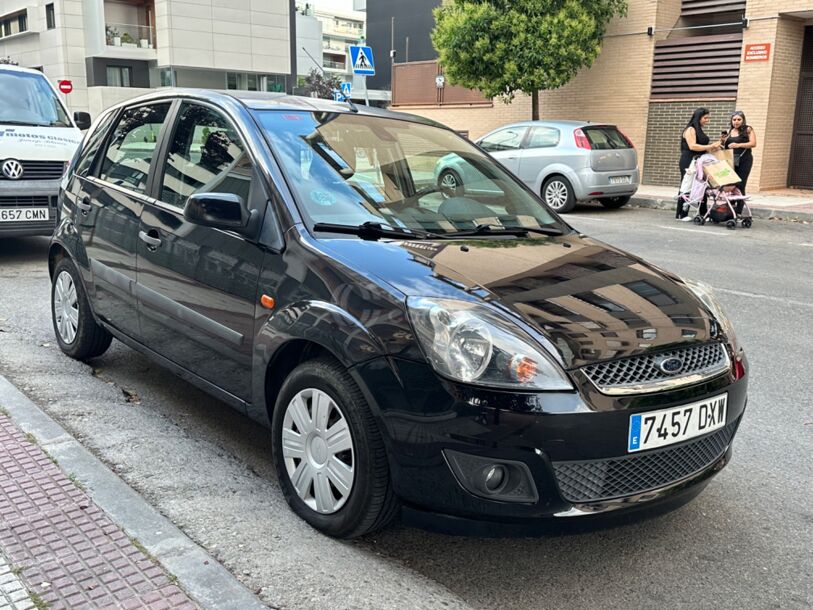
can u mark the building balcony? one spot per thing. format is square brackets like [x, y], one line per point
[334, 65]
[706, 8]
[129, 41]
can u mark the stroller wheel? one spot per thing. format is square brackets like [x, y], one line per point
[746, 223]
[698, 220]
[731, 224]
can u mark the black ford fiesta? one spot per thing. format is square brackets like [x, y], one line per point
[455, 354]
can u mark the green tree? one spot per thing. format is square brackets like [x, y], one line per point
[321, 83]
[504, 46]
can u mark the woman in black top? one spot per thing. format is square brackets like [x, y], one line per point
[693, 142]
[741, 138]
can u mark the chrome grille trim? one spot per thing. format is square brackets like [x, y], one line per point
[39, 170]
[639, 374]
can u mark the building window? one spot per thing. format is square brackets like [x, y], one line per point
[50, 16]
[22, 22]
[255, 82]
[119, 76]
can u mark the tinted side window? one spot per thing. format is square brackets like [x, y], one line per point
[94, 141]
[126, 161]
[505, 139]
[543, 137]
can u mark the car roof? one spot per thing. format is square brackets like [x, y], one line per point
[562, 124]
[13, 68]
[260, 100]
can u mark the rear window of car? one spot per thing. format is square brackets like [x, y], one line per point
[605, 138]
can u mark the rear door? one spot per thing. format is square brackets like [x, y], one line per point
[541, 149]
[197, 286]
[109, 200]
[611, 151]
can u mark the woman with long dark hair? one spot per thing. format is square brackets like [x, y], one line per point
[693, 142]
[741, 138]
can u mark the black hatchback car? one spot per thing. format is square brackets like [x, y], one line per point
[464, 354]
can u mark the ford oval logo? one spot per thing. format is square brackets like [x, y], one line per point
[669, 365]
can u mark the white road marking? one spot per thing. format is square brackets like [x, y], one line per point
[575, 218]
[696, 231]
[807, 245]
[753, 295]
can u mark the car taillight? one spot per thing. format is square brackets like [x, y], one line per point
[623, 135]
[581, 140]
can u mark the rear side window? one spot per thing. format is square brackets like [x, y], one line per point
[505, 139]
[206, 156]
[543, 137]
[126, 162]
[606, 138]
[94, 142]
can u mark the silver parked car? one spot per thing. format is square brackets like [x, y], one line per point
[563, 161]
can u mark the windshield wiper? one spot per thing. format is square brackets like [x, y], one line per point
[486, 229]
[23, 123]
[373, 231]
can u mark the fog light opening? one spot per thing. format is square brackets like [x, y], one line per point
[495, 479]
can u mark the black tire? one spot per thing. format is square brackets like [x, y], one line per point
[371, 503]
[450, 184]
[613, 203]
[747, 222]
[698, 220]
[557, 193]
[90, 339]
[731, 224]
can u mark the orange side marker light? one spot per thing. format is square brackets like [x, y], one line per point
[267, 301]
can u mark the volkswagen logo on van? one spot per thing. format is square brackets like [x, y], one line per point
[669, 365]
[13, 169]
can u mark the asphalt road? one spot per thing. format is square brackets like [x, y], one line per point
[746, 542]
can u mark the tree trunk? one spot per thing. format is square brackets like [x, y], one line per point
[535, 105]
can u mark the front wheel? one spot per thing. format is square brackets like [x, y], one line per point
[450, 184]
[77, 332]
[613, 203]
[328, 452]
[558, 194]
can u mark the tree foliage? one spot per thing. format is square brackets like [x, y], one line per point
[502, 47]
[321, 84]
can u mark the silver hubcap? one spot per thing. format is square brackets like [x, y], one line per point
[66, 307]
[448, 181]
[556, 194]
[318, 451]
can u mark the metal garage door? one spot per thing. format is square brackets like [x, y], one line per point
[800, 172]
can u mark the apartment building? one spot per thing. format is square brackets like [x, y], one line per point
[657, 64]
[113, 49]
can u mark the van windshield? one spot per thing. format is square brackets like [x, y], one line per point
[27, 99]
[352, 169]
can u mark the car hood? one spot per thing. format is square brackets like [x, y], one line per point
[38, 143]
[590, 301]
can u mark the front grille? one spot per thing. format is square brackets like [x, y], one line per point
[25, 202]
[40, 170]
[641, 373]
[595, 480]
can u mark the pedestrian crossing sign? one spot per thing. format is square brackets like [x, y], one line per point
[362, 59]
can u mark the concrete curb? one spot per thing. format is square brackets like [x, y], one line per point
[660, 203]
[209, 583]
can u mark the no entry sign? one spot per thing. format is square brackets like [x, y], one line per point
[65, 86]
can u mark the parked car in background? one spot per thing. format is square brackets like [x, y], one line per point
[37, 140]
[563, 161]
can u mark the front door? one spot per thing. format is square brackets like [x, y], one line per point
[109, 201]
[197, 286]
[801, 153]
[505, 145]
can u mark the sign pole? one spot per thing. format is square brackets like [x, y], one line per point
[366, 93]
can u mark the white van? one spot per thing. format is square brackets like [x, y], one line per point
[37, 139]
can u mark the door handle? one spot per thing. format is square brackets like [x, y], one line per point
[151, 241]
[84, 205]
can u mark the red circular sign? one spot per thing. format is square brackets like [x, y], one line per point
[65, 86]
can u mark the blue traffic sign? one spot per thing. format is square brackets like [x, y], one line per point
[346, 88]
[362, 59]
[338, 96]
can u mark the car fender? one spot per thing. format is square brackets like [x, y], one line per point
[564, 170]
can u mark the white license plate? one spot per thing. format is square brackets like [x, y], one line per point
[23, 214]
[620, 179]
[675, 425]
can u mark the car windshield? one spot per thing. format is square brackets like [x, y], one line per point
[352, 169]
[27, 99]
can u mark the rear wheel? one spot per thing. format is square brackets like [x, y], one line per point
[613, 203]
[328, 453]
[558, 194]
[78, 334]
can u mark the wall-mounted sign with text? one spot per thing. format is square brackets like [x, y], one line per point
[758, 52]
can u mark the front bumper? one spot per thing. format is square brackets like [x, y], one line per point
[422, 416]
[23, 194]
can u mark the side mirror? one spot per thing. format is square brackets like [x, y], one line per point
[217, 210]
[82, 120]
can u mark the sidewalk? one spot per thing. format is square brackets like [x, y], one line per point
[785, 205]
[85, 540]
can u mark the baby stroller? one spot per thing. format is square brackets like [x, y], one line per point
[724, 204]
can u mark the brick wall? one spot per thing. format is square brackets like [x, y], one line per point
[667, 120]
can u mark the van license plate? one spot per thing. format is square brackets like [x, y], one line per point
[23, 214]
[620, 179]
[675, 425]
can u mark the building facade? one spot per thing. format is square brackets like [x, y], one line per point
[112, 49]
[658, 64]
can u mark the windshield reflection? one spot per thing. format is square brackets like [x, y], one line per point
[27, 99]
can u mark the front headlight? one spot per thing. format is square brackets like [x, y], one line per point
[705, 293]
[470, 343]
